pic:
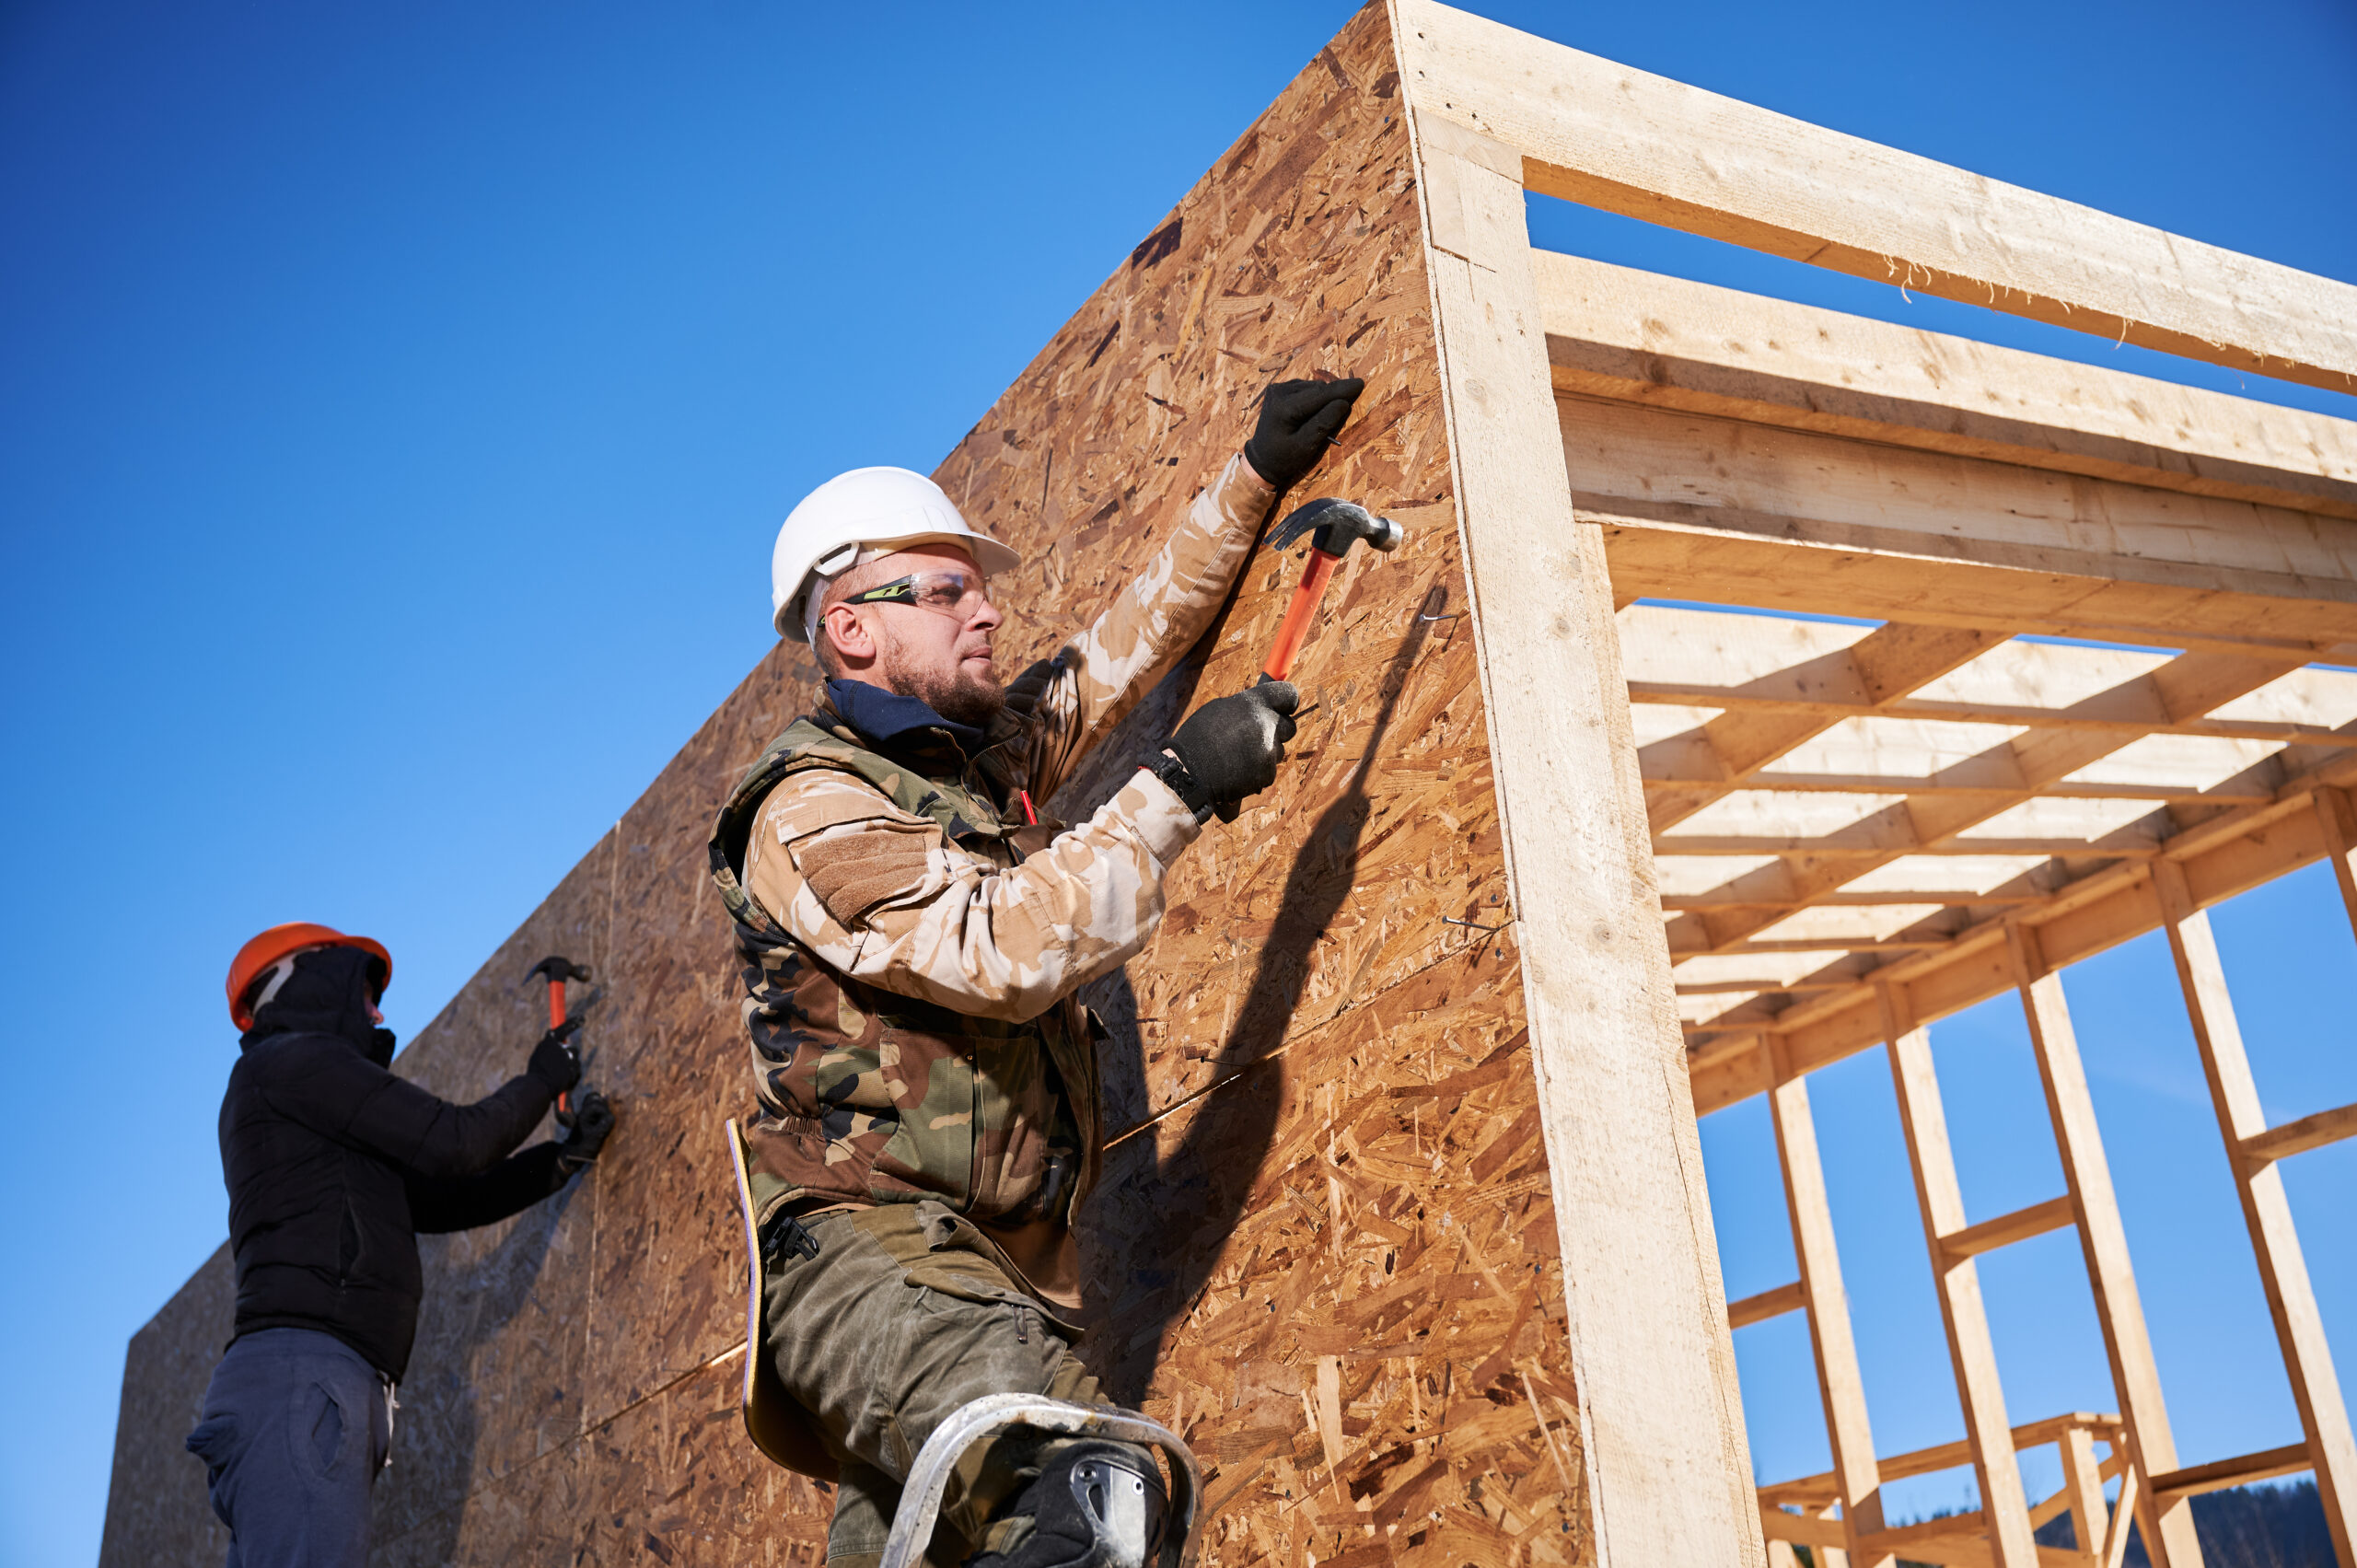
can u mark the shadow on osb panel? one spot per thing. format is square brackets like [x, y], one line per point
[420, 1501]
[1168, 1220]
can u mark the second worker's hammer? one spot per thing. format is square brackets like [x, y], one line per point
[557, 971]
[1338, 523]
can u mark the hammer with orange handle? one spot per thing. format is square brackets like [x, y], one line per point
[556, 971]
[1332, 526]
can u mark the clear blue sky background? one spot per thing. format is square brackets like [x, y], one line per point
[396, 403]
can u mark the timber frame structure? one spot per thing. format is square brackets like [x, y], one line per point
[1407, 1230]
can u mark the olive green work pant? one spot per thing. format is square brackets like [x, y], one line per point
[907, 1313]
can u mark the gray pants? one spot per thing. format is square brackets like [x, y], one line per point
[907, 1313]
[295, 1426]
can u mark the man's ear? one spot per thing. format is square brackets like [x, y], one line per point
[847, 635]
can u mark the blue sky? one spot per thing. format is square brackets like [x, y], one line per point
[396, 404]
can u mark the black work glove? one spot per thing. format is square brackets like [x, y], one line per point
[593, 1123]
[555, 1061]
[1298, 421]
[1229, 748]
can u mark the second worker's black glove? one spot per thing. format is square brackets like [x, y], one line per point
[1229, 748]
[1298, 421]
[555, 1061]
[593, 1123]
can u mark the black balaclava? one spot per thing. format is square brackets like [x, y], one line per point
[327, 994]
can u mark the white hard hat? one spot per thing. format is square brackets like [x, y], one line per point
[857, 517]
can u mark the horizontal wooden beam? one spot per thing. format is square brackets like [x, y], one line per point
[2307, 1133]
[1645, 146]
[2006, 1229]
[1957, 897]
[2290, 1459]
[1803, 1529]
[1768, 1304]
[2049, 547]
[1806, 1490]
[1639, 337]
[1704, 696]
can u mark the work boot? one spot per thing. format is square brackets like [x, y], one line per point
[1094, 1504]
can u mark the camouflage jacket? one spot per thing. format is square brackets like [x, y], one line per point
[910, 952]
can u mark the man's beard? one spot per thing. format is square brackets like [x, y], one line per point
[971, 700]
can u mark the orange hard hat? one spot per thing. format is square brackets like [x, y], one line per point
[280, 940]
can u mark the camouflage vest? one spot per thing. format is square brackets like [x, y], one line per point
[872, 1097]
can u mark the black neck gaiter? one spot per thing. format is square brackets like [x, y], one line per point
[328, 993]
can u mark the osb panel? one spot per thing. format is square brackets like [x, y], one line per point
[668, 1480]
[1353, 1131]
[1343, 1287]
[157, 1511]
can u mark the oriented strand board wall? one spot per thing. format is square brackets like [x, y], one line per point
[1330, 1261]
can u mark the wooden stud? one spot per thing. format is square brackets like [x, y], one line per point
[2267, 1210]
[1971, 1353]
[2167, 1527]
[1838, 1385]
[1661, 1415]
[2082, 1494]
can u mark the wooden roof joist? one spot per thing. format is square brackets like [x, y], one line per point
[1628, 142]
[2236, 853]
[1715, 662]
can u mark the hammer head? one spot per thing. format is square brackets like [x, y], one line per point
[556, 971]
[1338, 523]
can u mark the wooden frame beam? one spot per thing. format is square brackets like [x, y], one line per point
[1641, 337]
[2235, 851]
[1667, 1463]
[2298, 1137]
[1972, 1354]
[2189, 683]
[1841, 1390]
[2328, 1446]
[1776, 1302]
[2337, 825]
[1605, 135]
[2167, 1526]
[2006, 1229]
[1780, 560]
[2241, 1470]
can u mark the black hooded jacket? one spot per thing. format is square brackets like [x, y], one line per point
[334, 1165]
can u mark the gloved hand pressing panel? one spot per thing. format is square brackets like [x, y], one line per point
[1298, 421]
[1229, 748]
[593, 1123]
[555, 1061]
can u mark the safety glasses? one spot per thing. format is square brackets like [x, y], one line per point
[952, 593]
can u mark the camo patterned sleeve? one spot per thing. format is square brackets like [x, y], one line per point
[1067, 701]
[882, 896]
